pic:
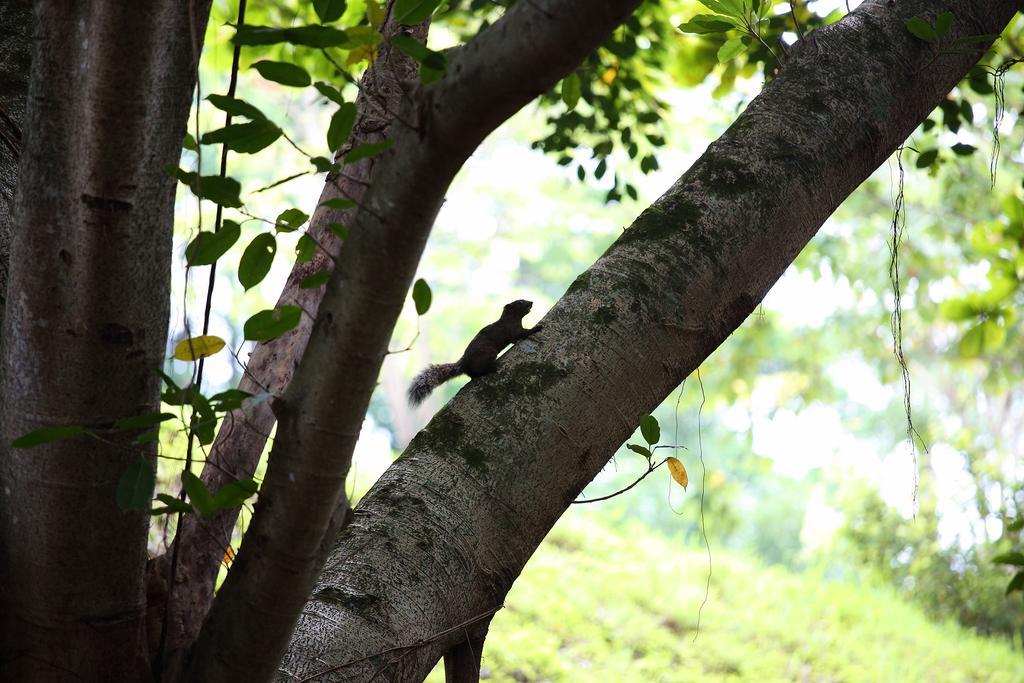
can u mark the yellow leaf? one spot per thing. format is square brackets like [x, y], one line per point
[678, 472]
[229, 555]
[198, 347]
[374, 13]
[360, 53]
[609, 75]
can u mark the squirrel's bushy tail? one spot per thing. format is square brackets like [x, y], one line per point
[430, 379]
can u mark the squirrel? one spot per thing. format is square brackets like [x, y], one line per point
[481, 356]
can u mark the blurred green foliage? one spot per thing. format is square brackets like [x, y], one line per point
[599, 605]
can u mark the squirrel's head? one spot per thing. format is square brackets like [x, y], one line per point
[518, 308]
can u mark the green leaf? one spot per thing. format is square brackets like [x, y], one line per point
[926, 158]
[315, 280]
[433, 64]
[338, 203]
[367, 150]
[305, 249]
[236, 107]
[234, 494]
[650, 429]
[981, 339]
[921, 29]
[1016, 525]
[139, 421]
[339, 230]
[269, 324]
[248, 34]
[959, 309]
[978, 80]
[571, 90]
[177, 396]
[209, 246]
[943, 23]
[704, 24]
[135, 487]
[363, 36]
[283, 73]
[171, 503]
[642, 450]
[731, 48]
[421, 296]
[147, 437]
[324, 165]
[1014, 557]
[414, 11]
[329, 10]
[724, 7]
[290, 220]
[223, 191]
[197, 493]
[411, 47]
[228, 400]
[245, 138]
[189, 143]
[45, 435]
[341, 125]
[256, 260]
[330, 92]
[963, 150]
[204, 420]
[1016, 583]
[310, 36]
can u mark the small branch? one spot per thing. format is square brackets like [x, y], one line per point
[650, 468]
[796, 22]
[414, 338]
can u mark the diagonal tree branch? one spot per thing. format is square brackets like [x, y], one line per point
[302, 501]
[448, 528]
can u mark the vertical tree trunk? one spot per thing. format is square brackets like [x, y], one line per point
[15, 56]
[85, 327]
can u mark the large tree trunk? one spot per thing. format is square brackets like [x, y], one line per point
[302, 500]
[85, 327]
[447, 529]
[15, 56]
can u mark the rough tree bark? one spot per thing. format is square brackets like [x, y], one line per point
[15, 57]
[85, 327]
[446, 530]
[302, 499]
[270, 368]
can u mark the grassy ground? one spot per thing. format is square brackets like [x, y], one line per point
[597, 604]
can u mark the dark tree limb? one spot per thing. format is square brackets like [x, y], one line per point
[448, 528]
